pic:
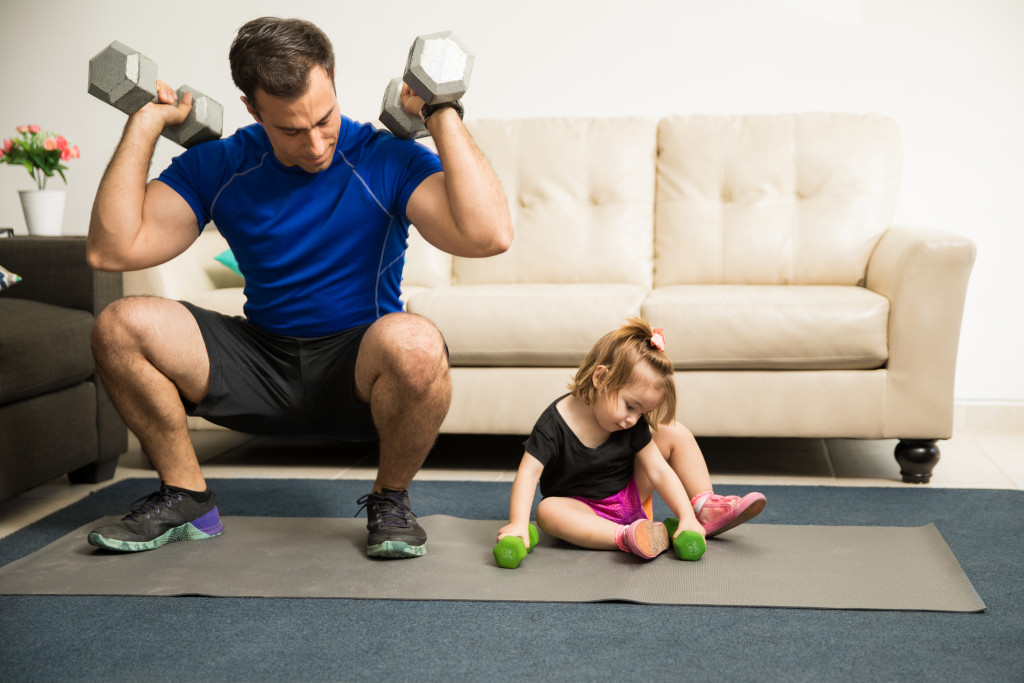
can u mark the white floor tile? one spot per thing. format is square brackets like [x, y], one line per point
[1006, 452]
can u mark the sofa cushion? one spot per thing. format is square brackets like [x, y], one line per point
[525, 325]
[42, 348]
[787, 199]
[765, 327]
[581, 197]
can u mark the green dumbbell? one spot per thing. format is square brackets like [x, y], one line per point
[689, 545]
[511, 550]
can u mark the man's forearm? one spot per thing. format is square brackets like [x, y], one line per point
[477, 201]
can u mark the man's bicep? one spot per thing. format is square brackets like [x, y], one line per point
[169, 226]
[430, 211]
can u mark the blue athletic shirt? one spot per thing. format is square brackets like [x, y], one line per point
[321, 252]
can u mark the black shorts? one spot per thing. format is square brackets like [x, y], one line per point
[264, 383]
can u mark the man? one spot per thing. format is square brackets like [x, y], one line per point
[316, 209]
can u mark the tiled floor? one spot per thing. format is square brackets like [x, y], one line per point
[980, 455]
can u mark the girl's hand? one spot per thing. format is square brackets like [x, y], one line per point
[520, 530]
[690, 523]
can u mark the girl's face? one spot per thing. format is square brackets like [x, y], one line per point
[623, 408]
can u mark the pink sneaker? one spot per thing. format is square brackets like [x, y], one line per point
[645, 539]
[720, 513]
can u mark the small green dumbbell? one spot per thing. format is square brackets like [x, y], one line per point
[689, 545]
[511, 550]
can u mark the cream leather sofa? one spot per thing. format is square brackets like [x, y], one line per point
[762, 244]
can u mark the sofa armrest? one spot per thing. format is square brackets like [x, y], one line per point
[924, 275]
[54, 271]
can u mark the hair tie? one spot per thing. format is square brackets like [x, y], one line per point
[658, 338]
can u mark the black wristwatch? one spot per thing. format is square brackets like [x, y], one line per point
[429, 109]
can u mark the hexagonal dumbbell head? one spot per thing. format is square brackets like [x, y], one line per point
[396, 118]
[439, 67]
[122, 77]
[204, 122]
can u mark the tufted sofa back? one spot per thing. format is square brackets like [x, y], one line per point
[789, 199]
[783, 199]
[581, 194]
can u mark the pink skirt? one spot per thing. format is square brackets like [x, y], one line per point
[624, 507]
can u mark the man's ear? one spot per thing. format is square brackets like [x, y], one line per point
[250, 108]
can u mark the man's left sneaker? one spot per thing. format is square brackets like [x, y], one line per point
[393, 530]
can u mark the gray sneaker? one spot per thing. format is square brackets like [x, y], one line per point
[393, 530]
[158, 519]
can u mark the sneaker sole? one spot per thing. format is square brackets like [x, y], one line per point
[748, 513]
[396, 550]
[647, 540]
[185, 532]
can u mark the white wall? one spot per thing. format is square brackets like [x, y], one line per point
[949, 71]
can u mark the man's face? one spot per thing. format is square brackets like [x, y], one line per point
[303, 131]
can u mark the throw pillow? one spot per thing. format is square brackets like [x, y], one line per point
[229, 260]
[8, 279]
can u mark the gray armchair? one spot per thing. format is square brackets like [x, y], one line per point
[55, 416]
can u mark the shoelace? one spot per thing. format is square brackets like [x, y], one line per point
[151, 503]
[389, 507]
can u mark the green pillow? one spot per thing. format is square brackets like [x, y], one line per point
[229, 260]
[8, 279]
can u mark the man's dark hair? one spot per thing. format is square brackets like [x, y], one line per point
[277, 55]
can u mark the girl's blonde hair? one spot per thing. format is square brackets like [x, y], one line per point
[621, 351]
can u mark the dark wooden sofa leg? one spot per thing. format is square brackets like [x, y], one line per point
[94, 472]
[917, 459]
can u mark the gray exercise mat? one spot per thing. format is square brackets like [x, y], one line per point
[766, 565]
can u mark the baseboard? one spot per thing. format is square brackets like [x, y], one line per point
[988, 417]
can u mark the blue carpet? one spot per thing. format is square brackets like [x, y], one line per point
[122, 638]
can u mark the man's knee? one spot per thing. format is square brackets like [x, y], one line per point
[412, 347]
[114, 327]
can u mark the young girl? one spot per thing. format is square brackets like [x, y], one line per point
[597, 462]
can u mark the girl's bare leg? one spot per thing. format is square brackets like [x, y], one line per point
[684, 456]
[572, 521]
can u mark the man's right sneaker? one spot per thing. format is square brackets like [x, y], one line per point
[720, 513]
[158, 519]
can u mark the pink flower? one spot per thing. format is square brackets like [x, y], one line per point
[65, 154]
[1, 154]
[62, 142]
[22, 129]
[34, 129]
[50, 144]
[74, 152]
[8, 145]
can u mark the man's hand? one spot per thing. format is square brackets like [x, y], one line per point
[167, 110]
[412, 102]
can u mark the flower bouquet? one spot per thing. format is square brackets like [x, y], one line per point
[41, 153]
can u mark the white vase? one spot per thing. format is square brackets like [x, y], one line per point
[44, 211]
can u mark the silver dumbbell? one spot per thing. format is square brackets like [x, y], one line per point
[126, 79]
[437, 70]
